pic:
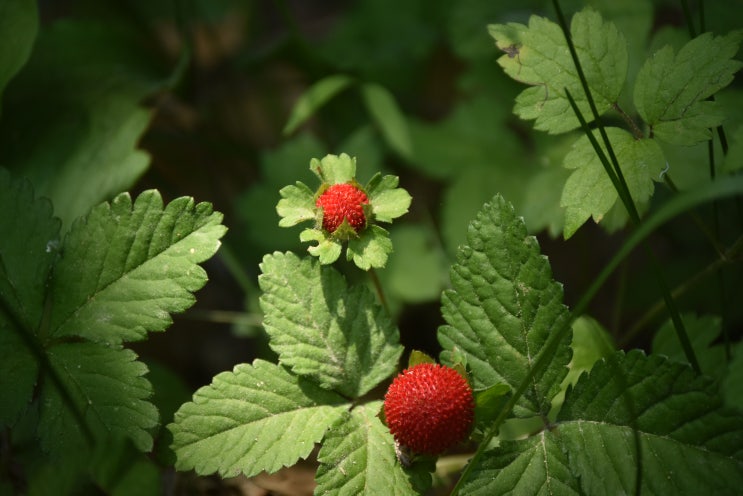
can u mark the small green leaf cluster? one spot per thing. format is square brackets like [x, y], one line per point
[671, 94]
[368, 247]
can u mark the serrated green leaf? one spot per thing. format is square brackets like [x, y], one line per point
[19, 22]
[107, 387]
[538, 55]
[126, 267]
[358, 458]
[297, 205]
[327, 249]
[589, 191]
[502, 307]
[670, 88]
[370, 250]
[388, 201]
[325, 330]
[690, 444]
[383, 108]
[314, 98]
[535, 466]
[255, 418]
[29, 240]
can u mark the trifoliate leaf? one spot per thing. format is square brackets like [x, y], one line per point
[325, 330]
[538, 55]
[670, 88]
[126, 267]
[502, 308]
[19, 21]
[314, 98]
[255, 418]
[106, 386]
[383, 108]
[370, 250]
[690, 444]
[297, 205]
[358, 457]
[334, 169]
[589, 191]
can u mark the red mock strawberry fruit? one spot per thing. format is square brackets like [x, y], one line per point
[343, 201]
[429, 408]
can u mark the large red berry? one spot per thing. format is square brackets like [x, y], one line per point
[342, 201]
[429, 408]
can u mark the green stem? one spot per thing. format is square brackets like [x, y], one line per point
[379, 289]
[620, 184]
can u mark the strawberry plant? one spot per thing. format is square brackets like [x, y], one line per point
[400, 328]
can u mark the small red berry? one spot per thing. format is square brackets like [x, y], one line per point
[429, 408]
[342, 201]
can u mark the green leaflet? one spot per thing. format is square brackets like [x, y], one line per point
[357, 457]
[535, 466]
[255, 418]
[127, 266]
[538, 55]
[670, 88]
[78, 392]
[502, 307]
[107, 386]
[589, 192]
[690, 444]
[19, 23]
[324, 329]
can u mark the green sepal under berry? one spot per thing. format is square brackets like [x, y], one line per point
[368, 245]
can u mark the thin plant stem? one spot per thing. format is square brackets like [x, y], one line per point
[732, 255]
[378, 288]
[620, 185]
